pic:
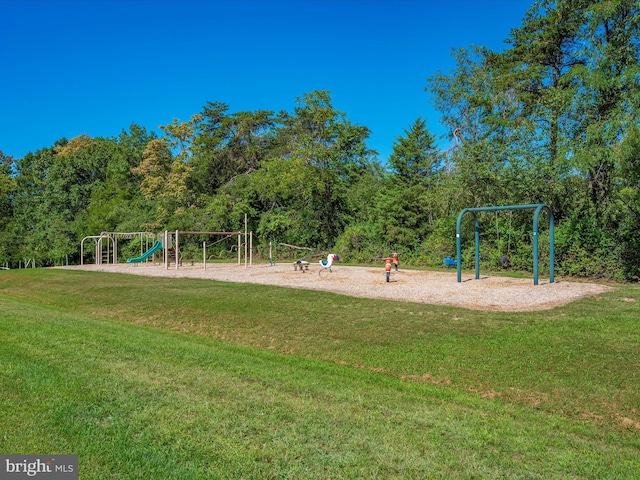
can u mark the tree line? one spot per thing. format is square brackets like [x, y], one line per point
[554, 118]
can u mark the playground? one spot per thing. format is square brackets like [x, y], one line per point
[490, 293]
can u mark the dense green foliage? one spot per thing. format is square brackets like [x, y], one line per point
[181, 378]
[553, 119]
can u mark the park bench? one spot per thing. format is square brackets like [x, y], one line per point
[301, 265]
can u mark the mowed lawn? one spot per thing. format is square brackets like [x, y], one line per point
[155, 378]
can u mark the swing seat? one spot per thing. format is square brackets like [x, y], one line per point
[449, 262]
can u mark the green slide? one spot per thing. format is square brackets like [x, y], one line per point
[156, 246]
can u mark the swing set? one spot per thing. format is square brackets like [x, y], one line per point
[171, 243]
[537, 207]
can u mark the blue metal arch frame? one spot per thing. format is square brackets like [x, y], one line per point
[538, 208]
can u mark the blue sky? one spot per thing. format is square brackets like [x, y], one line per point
[96, 67]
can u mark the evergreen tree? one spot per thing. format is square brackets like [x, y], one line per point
[415, 157]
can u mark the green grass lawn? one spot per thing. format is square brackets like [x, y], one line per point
[157, 378]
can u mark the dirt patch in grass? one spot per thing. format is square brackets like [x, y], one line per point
[432, 287]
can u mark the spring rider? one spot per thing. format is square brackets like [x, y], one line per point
[387, 267]
[396, 260]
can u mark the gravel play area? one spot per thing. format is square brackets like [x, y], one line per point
[432, 287]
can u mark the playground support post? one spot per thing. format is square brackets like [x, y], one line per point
[177, 248]
[538, 208]
[245, 240]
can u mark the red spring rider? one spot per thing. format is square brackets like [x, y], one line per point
[387, 267]
[396, 260]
